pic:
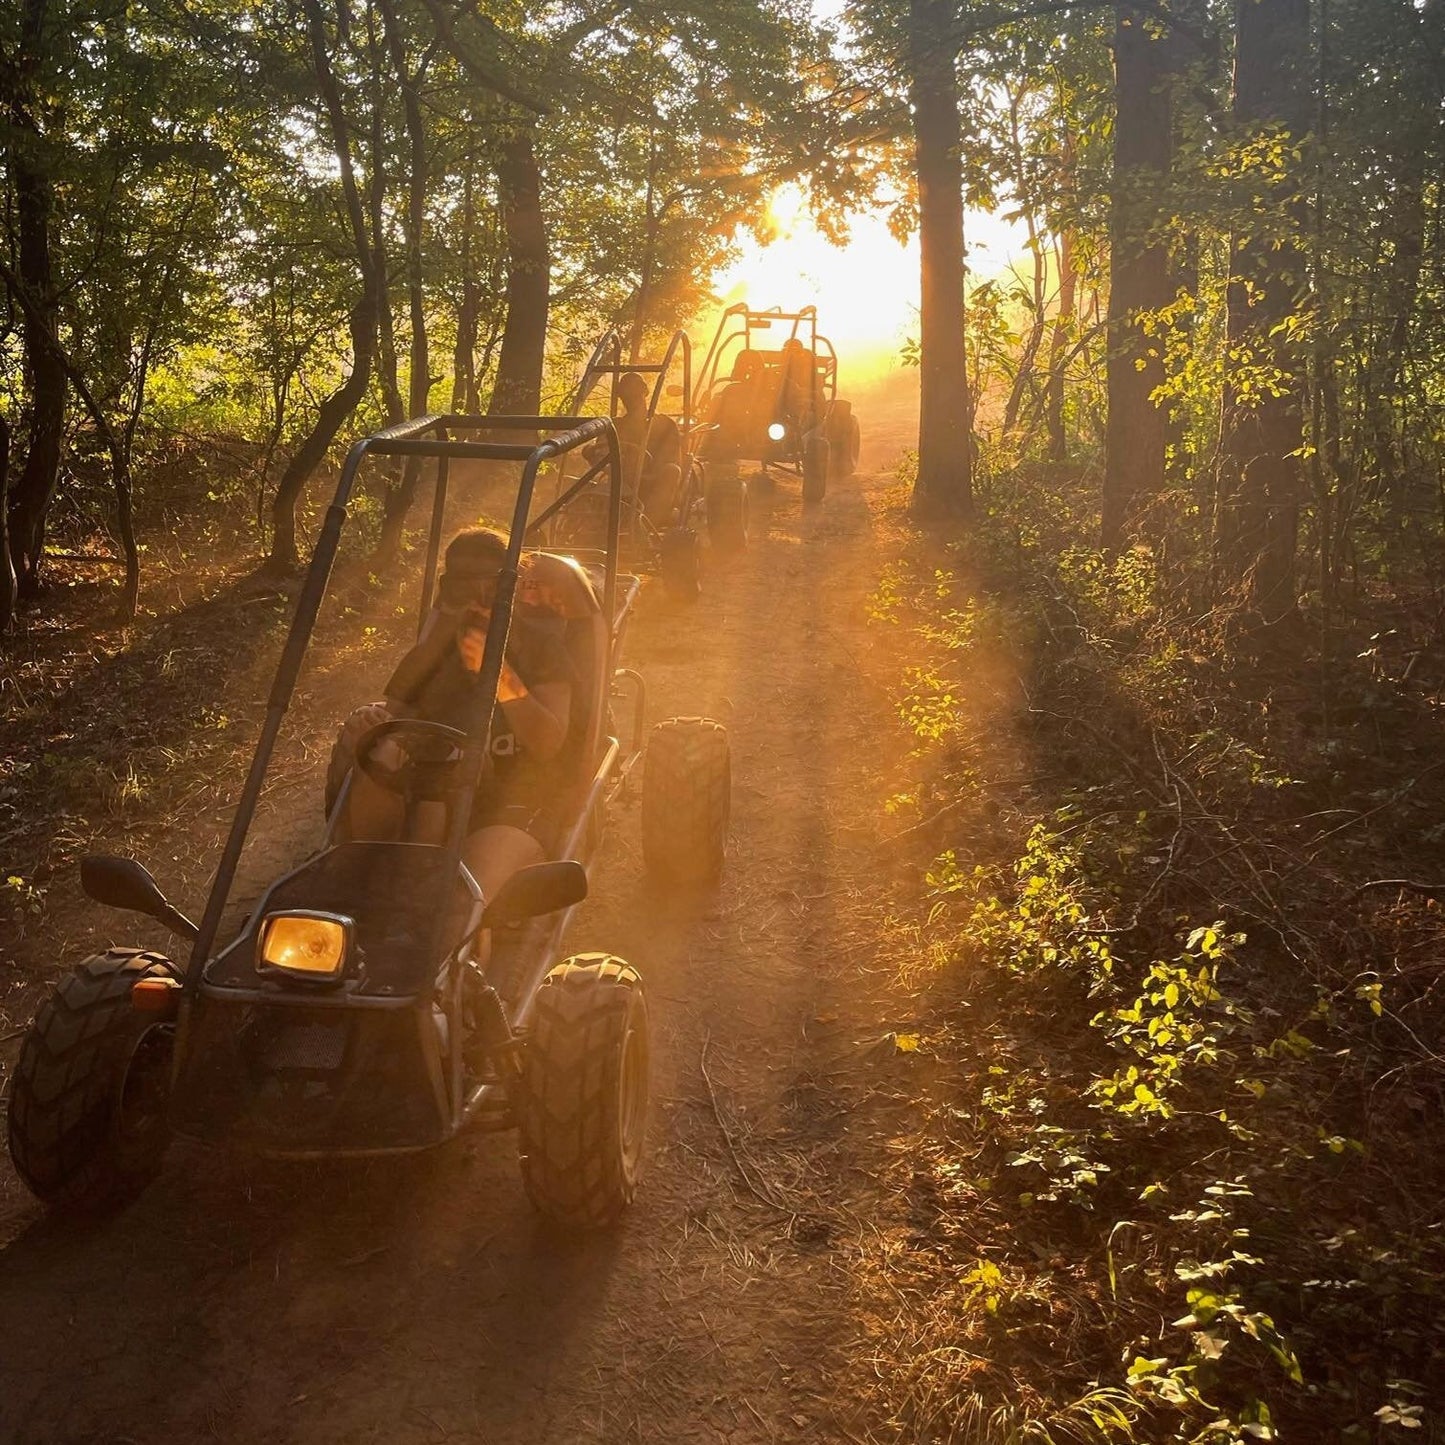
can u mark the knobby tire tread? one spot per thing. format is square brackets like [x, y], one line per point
[67, 1080]
[570, 1115]
[686, 796]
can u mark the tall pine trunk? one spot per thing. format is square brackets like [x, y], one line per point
[518, 387]
[1261, 481]
[945, 456]
[1136, 430]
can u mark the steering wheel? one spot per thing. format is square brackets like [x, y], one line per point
[403, 780]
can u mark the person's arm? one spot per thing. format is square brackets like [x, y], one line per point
[539, 716]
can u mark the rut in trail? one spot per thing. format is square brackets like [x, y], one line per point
[422, 1301]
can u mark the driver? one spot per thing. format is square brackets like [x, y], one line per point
[515, 814]
[798, 389]
[733, 412]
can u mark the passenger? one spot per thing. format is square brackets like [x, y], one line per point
[515, 814]
[733, 412]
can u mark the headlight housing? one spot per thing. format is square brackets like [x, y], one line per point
[777, 431]
[306, 945]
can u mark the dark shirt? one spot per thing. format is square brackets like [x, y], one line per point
[664, 444]
[432, 681]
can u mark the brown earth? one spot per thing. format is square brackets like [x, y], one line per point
[423, 1300]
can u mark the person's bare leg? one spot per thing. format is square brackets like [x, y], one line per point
[371, 811]
[659, 496]
[492, 855]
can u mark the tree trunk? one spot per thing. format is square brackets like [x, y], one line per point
[1059, 348]
[1420, 43]
[330, 417]
[649, 255]
[399, 498]
[1038, 324]
[469, 312]
[120, 480]
[362, 321]
[518, 387]
[1260, 487]
[945, 453]
[7, 567]
[34, 488]
[1136, 432]
[1023, 377]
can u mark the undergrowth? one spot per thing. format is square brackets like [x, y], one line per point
[1177, 1190]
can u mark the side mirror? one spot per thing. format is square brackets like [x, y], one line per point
[531, 892]
[124, 883]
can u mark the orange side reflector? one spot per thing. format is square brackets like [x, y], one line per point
[155, 995]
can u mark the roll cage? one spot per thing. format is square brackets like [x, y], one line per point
[606, 363]
[734, 336]
[441, 438]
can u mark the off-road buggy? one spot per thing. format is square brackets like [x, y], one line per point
[348, 1014]
[666, 545]
[776, 403]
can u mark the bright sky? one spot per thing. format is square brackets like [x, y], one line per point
[866, 292]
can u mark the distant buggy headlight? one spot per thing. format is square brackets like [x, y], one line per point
[305, 945]
[777, 431]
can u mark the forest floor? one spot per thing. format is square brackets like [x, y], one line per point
[974, 1120]
[423, 1301]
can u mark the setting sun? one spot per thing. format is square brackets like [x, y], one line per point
[866, 290]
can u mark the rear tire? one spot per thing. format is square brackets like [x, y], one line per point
[88, 1127]
[686, 798]
[583, 1115]
[727, 512]
[845, 446]
[678, 564]
[815, 468]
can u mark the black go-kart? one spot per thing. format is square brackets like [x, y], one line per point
[668, 546]
[348, 1015]
[774, 403]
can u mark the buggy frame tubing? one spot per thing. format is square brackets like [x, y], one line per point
[411, 438]
[609, 346]
[434, 537]
[722, 337]
[609, 343]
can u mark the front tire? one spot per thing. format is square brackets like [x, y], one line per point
[845, 444]
[583, 1114]
[686, 799]
[88, 1128]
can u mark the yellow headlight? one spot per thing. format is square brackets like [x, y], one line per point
[312, 945]
[777, 431]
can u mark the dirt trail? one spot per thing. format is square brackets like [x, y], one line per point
[421, 1300]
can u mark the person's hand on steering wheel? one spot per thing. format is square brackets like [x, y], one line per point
[383, 756]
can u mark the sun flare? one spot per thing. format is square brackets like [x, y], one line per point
[866, 290]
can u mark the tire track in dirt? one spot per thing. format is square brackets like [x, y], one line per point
[421, 1300]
